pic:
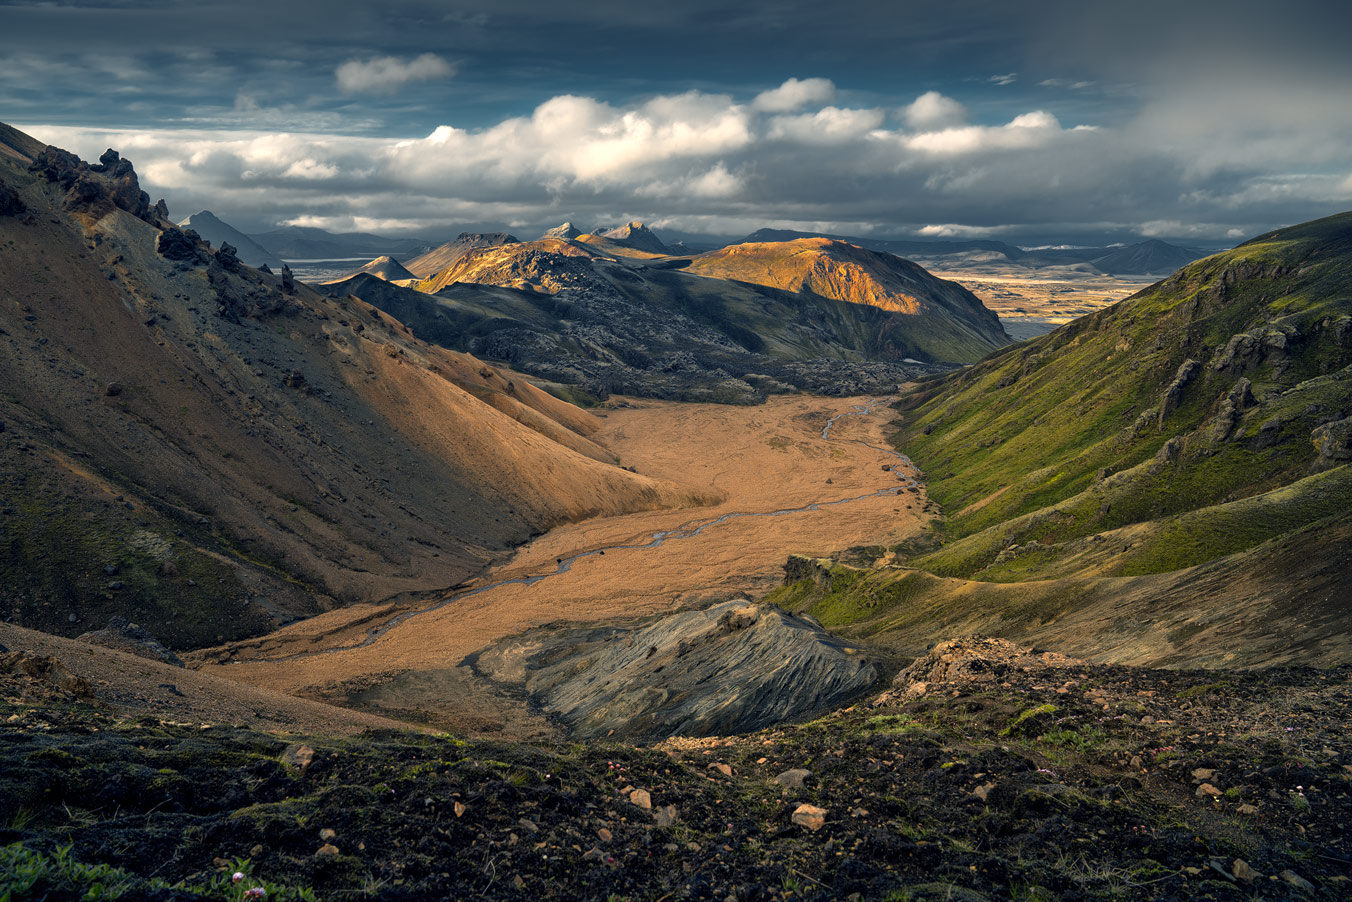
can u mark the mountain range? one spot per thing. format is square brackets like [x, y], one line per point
[607, 316]
[1149, 257]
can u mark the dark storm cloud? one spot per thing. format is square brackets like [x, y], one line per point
[1203, 119]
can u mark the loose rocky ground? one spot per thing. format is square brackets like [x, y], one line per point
[987, 773]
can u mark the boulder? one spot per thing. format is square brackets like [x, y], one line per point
[123, 635]
[1333, 441]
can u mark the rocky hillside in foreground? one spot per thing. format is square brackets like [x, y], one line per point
[586, 314]
[208, 450]
[988, 772]
[1165, 482]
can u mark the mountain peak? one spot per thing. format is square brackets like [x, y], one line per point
[220, 233]
[567, 232]
[636, 235]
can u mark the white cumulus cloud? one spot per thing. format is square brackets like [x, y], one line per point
[387, 74]
[794, 94]
[932, 110]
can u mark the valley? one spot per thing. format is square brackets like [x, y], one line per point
[768, 464]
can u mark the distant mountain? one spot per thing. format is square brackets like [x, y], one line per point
[386, 268]
[1151, 257]
[957, 326]
[637, 236]
[593, 315]
[901, 248]
[307, 243]
[448, 254]
[567, 232]
[215, 230]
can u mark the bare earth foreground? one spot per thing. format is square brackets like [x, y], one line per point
[761, 460]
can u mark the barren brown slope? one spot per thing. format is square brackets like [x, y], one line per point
[548, 265]
[235, 451]
[448, 254]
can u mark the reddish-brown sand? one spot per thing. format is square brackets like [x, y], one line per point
[759, 459]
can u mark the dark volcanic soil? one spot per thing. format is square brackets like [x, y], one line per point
[1064, 782]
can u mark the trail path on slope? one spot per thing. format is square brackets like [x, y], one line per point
[800, 474]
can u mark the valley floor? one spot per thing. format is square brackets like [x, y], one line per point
[1035, 304]
[766, 462]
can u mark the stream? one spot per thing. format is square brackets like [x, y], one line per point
[656, 540]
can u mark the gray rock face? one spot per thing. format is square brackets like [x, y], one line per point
[731, 668]
[124, 635]
[1333, 441]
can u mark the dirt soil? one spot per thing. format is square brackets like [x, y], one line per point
[760, 460]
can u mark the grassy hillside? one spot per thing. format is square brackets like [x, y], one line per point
[1203, 421]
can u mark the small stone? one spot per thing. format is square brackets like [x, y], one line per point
[665, 816]
[724, 769]
[604, 835]
[810, 816]
[1244, 872]
[1192, 871]
[642, 798]
[518, 882]
[1246, 808]
[528, 825]
[256, 850]
[459, 809]
[793, 778]
[328, 834]
[113, 389]
[1203, 774]
[594, 854]
[1297, 881]
[1207, 791]
[328, 850]
[982, 791]
[298, 756]
[1135, 762]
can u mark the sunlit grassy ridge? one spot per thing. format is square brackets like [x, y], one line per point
[1164, 482]
[1091, 428]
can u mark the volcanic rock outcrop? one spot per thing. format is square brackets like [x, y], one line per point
[733, 667]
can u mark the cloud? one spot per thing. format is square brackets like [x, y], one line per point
[1007, 79]
[1066, 83]
[933, 110]
[717, 162]
[794, 94]
[387, 74]
[831, 125]
[956, 230]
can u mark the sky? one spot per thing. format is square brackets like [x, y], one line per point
[1202, 121]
